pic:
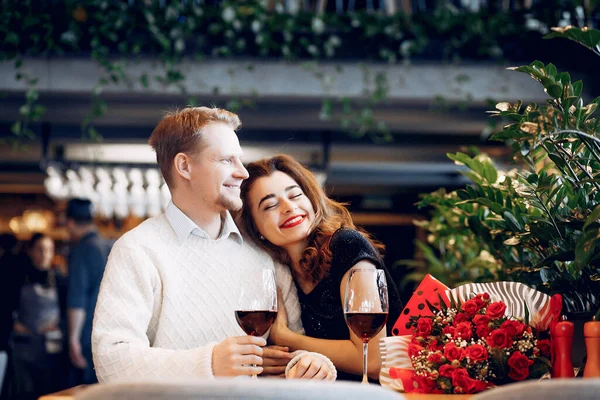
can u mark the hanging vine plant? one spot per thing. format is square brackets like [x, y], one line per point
[109, 32]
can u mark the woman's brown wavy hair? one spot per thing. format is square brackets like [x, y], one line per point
[329, 216]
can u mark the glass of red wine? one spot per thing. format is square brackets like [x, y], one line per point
[366, 306]
[257, 303]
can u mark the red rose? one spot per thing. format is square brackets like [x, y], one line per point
[519, 361]
[451, 352]
[499, 338]
[414, 349]
[461, 317]
[518, 375]
[519, 366]
[435, 345]
[544, 346]
[464, 330]
[479, 386]
[513, 328]
[481, 300]
[460, 378]
[424, 326]
[483, 331]
[470, 307]
[481, 319]
[449, 330]
[476, 353]
[446, 370]
[496, 310]
[435, 358]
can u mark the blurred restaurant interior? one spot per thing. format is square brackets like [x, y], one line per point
[372, 95]
[375, 127]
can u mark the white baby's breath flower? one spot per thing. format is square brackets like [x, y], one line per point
[312, 49]
[355, 23]
[237, 25]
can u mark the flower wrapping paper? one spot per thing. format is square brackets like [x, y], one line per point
[396, 368]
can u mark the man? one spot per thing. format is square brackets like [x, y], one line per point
[167, 300]
[86, 263]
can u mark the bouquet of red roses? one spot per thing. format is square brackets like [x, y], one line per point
[468, 347]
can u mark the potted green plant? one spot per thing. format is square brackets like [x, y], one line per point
[539, 222]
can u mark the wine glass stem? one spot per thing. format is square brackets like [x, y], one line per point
[365, 380]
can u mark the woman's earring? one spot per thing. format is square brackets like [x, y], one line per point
[262, 237]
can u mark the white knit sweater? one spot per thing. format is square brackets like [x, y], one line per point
[165, 302]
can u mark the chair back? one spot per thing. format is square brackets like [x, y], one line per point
[580, 389]
[237, 388]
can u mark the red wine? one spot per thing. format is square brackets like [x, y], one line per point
[366, 325]
[255, 323]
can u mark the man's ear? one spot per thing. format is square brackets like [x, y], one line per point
[183, 165]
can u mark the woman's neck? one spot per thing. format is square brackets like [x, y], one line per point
[294, 252]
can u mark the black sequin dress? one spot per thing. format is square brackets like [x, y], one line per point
[322, 309]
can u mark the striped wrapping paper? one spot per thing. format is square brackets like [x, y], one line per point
[394, 349]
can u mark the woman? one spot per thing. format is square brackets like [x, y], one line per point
[287, 213]
[36, 338]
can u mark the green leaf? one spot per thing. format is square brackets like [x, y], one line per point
[432, 308]
[511, 222]
[443, 304]
[526, 313]
[550, 70]
[452, 301]
[490, 173]
[593, 217]
[554, 90]
[577, 88]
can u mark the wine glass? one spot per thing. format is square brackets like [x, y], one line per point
[366, 306]
[257, 303]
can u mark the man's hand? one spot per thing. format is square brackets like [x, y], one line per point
[77, 358]
[234, 355]
[311, 366]
[275, 359]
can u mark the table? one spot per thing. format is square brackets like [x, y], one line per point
[69, 393]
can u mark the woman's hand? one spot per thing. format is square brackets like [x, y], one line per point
[311, 366]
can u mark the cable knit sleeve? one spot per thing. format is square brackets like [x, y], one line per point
[285, 282]
[130, 295]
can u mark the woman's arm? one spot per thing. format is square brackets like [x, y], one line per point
[346, 355]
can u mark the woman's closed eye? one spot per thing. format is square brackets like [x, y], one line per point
[270, 206]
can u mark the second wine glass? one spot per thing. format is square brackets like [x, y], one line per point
[257, 303]
[366, 306]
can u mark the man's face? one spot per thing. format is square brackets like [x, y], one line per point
[217, 170]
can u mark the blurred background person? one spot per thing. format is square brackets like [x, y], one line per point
[37, 341]
[9, 293]
[86, 263]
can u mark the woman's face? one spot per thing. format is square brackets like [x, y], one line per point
[280, 209]
[42, 253]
